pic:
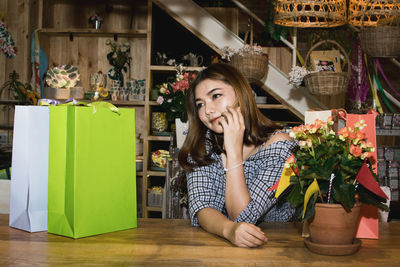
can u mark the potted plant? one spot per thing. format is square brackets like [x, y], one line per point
[172, 94]
[120, 58]
[171, 98]
[95, 21]
[332, 170]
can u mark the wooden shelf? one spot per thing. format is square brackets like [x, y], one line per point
[155, 173]
[388, 132]
[127, 103]
[159, 138]
[6, 127]
[87, 32]
[153, 103]
[271, 106]
[153, 208]
[172, 68]
[10, 102]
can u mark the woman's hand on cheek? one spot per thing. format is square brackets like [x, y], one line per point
[246, 235]
[233, 123]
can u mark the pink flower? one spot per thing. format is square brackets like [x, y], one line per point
[160, 100]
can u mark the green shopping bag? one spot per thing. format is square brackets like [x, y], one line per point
[92, 171]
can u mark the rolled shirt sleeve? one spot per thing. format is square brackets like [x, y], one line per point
[263, 202]
[204, 191]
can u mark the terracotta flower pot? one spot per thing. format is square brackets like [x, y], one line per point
[333, 225]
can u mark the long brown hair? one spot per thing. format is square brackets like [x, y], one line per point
[258, 127]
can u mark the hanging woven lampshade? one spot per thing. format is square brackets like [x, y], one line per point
[377, 12]
[310, 13]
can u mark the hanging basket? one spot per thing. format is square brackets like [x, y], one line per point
[379, 38]
[253, 66]
[327, 82]
[310, 13]
[372, 13]
[381, 41]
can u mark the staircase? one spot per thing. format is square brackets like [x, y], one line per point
[216, 35]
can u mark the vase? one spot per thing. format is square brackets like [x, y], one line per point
[181, 132]
[333, 229]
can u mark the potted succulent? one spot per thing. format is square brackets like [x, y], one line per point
[332, 170]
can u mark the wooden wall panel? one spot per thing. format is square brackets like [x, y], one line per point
[280, 57]
[16, 16]
[90, 55]
[75, 14]
[17, 19]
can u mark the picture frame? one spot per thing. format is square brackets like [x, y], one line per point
[326, 60]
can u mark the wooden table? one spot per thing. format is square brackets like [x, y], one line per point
[175, 242]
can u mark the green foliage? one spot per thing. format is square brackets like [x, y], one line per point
[22, 92]
[272, 30]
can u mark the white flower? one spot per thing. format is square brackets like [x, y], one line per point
[228, 52]
[297, 74]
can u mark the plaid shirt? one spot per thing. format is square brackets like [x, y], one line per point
[206, 186]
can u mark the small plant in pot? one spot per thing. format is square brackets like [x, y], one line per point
[332, 170]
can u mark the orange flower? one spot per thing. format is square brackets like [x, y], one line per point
[356, 151]
[343, 133]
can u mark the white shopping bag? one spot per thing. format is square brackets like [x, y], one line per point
[28, 193]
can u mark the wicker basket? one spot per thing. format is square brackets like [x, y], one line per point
[381, 41]
[327, 82]
[378, 40]
[253, 66]
[310, 13]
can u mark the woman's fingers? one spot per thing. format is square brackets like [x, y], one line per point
[233, 115]
[248, 235]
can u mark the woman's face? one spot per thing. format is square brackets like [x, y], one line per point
[211, 99]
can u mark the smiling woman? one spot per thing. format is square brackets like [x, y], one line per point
[232, 155]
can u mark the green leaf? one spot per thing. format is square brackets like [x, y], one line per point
[343, 193]
[295, 198]
[367, 197]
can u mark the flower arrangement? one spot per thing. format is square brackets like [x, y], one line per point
[172, 94]
[228, 52]
[22, 92]
[120, 59]
[94, 18]
[327, 168]
[296, 75]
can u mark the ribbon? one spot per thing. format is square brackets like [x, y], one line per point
[375, 95]
[383, 93]
[73, 102]
[311, 190]
[384, 77]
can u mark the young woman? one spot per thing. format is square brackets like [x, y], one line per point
[232, 156]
